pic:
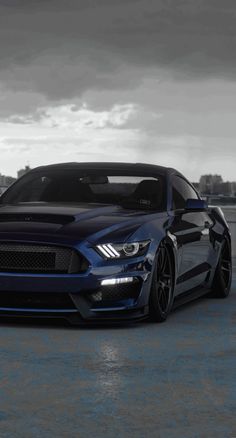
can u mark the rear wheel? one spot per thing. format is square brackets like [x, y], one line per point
[161, 295]
[223, 274]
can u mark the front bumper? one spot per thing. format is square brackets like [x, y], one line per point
[71, 296]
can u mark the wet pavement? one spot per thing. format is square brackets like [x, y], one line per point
[176, 379]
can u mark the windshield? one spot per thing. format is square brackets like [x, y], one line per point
[82, 187]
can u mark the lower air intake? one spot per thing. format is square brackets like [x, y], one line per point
[120, 292]
[35, 300]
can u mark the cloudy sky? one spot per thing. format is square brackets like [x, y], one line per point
[119, 80]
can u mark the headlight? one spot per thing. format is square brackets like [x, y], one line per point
[123, 250]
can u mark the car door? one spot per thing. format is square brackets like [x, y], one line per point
[192, 233]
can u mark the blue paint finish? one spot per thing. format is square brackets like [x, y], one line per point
[195, 246]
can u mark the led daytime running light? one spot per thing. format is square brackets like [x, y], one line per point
[108, 251]
[113, 281]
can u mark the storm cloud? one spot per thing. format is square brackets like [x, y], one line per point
[61, 48]
[119, 80]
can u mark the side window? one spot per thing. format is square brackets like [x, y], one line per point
[181, 192]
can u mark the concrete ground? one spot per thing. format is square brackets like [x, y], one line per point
[176, 379]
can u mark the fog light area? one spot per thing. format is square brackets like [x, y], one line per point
[97, 296]
[116, 289]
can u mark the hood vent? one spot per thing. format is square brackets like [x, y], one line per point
[35, 217]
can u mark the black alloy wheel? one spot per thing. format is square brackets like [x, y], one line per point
[161, 295]
[223, 274]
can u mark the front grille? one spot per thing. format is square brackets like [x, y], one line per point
[29, 258]
[35, 300]
[119, 292]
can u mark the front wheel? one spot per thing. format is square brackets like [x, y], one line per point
[223, 275]
[161, 295]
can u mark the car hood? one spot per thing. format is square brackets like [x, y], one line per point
[87, 221]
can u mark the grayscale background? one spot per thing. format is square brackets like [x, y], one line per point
[138, 80]
[121, 80]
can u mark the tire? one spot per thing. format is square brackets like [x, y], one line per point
[161, 294]
[223, 274]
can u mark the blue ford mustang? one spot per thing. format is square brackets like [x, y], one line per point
[108, 241]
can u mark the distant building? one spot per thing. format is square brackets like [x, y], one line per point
[226, 189]
[5, 182]
[209, 184]
[234, 188]
[22, 172]
[214, 185]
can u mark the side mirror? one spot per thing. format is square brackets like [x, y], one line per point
[196, 205]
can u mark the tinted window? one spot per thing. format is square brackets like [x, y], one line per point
[181, 192]
[75, 186]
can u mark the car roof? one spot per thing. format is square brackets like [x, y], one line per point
[135, 167]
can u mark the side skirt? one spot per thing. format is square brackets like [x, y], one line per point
[191, 295]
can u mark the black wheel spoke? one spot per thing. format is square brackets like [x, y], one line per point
[225, 269]
[224, 280]
[225, 266]
[165, 297]
[164, 278]
[162, 286]
[160, 292]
